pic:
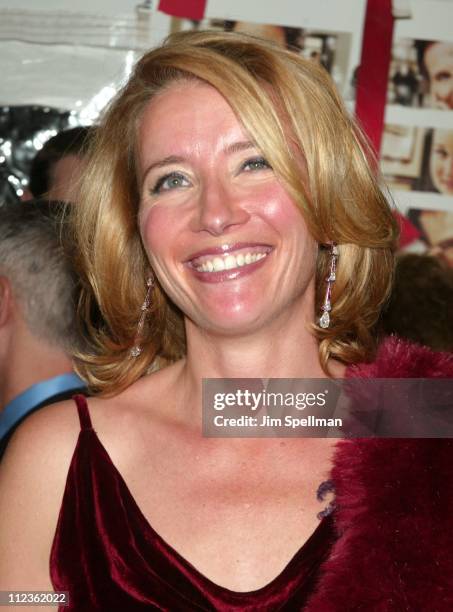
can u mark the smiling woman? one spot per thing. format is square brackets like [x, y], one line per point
[152, 158]
[212, 210]
[229, 225]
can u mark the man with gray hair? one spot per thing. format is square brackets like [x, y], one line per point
[37, 313]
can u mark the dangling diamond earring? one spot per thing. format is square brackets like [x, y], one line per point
[137, 349]
[324, 320]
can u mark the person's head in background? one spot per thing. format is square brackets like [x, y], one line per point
[438, 63]
[421, 303]
[437, 162]
[37, 298]
[441, 161]
[57, 167]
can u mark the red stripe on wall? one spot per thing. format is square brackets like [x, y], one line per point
[189, 9]
[374, 69]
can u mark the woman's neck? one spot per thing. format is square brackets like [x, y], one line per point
[259, 355]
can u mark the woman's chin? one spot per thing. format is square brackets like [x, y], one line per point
[232, 321]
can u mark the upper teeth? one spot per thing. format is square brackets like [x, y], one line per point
[229, 262]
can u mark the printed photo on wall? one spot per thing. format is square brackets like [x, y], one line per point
[421, 74]
[418, 159]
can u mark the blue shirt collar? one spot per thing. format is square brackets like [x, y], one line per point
[26, 401]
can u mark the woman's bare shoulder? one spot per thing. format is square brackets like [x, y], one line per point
[46, 440]
[32, 480]
[43, 438]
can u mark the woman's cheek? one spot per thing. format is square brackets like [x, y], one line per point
[156, 225]
[273, 201]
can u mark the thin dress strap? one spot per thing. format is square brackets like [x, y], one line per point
[84, 415]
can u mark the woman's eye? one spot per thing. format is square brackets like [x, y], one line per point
[174, 180]
[257, 163]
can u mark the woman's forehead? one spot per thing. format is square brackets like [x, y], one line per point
[190, 115]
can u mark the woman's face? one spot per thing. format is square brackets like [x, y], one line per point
[441, 161]
[224, 238]
[438, 228]
[439, 63]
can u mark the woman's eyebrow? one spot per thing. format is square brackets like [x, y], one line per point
[236, 147]
[166, 161]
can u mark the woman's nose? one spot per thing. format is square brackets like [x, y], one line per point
[219, 210]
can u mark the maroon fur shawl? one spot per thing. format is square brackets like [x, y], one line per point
[394, 511]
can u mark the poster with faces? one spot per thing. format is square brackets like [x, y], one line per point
[319, 30]
[417, 143]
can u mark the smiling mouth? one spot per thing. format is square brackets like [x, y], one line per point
[240, 258]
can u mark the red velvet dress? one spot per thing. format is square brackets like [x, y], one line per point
[109, 558]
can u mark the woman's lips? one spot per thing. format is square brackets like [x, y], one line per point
[217, 265]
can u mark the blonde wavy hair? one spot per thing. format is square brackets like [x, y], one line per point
[292, 111]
